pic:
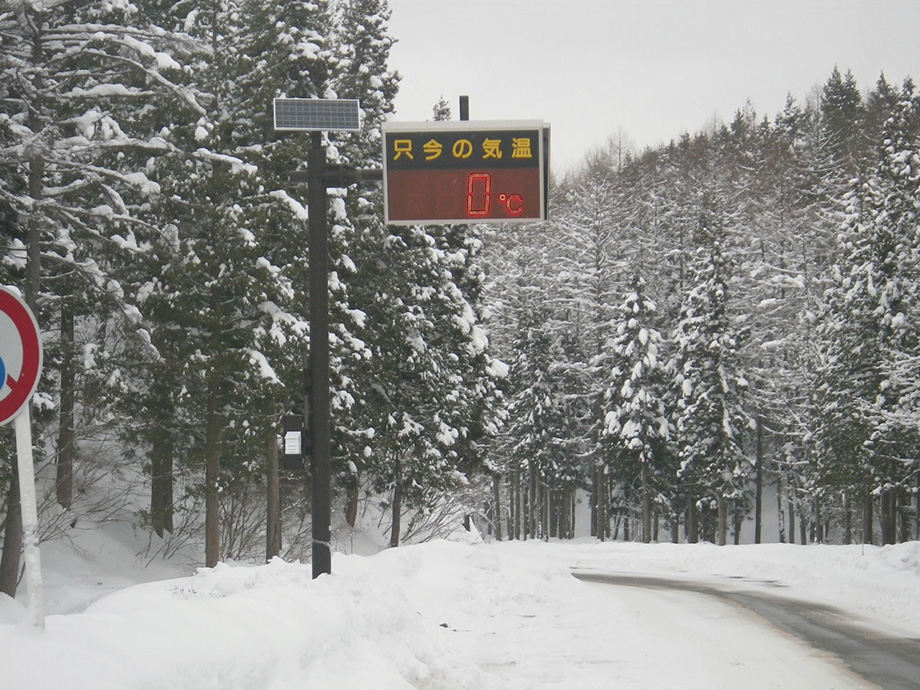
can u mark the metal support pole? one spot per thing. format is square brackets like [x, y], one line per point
[23, 424]
[464, 108]
[319, 410]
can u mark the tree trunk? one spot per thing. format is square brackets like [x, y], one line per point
[646, 505]
[523, 506]
[597, 504]
[605, 504]
[790, 512]
[518, 509]
[599, 514]
[565, 515]
[536, 507]
[903, 510]
[497, 506]
[351, 507]
[723, 521]
[12, 539]
[273, 525]
[889, 517]
[512, 505]
[397, 507]
[161, 480]
[888, 514]
[819, 523]
[780, 514]
[212, 474]
[692, 524]
[65, 454]
[758, 484]
[533, 505]
[847, 519]
[574, 523]
[917, 511]
[868, 536]
[570, 514]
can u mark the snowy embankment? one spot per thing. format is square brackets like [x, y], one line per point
[450, 615]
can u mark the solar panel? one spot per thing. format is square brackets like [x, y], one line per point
[316, 114]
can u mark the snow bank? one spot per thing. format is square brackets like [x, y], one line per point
[453, 616]
[235, 628]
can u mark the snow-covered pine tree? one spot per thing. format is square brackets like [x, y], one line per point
[441, 110]
[866, 431]
[844, 364]
[782, 265]
[711, 420]
[518, 281]
[590, 248]
[476, 406]
[358, 242]
[538, 428]
[881, 103]
[430, 378]
[362, 72]
[426, 394]
[79, 85]
[187, 279]
[842, 115]
[231, 273]
[895, 204]
[637, 421]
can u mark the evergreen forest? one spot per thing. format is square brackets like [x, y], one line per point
[698, 329]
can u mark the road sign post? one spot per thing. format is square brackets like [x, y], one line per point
[316, 116]
[29, 508]
[319, 410]
[439, 173]
[20, 369]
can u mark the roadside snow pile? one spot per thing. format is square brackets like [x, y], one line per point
[454, 616]
[266, 627]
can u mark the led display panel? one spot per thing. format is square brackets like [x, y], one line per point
[465, 172]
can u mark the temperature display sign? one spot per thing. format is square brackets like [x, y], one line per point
[465, 172]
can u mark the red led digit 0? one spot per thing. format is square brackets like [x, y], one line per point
[479, 188]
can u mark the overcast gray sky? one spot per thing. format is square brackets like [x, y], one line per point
[648, 70]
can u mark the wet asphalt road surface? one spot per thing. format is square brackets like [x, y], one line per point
[889, 662]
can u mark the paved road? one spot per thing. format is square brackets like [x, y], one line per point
[892, 663]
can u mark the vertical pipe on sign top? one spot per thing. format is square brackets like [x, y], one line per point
[464, 108]
[319, 409]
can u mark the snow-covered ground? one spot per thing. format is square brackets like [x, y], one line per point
[443, 615]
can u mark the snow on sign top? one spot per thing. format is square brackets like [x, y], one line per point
[20, 354]
[316, 114]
